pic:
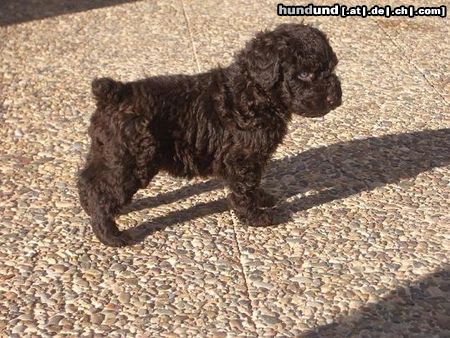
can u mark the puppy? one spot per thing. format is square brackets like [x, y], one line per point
[225, 123]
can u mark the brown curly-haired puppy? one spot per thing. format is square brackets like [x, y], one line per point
[225, 123]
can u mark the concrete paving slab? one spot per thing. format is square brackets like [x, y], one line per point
[425, 44]
[349, 190]
[56, 278]
[362, 246]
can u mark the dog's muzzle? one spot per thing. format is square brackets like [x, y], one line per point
[334, 93]
[333, 97]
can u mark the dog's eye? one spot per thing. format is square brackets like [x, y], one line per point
[305, 76]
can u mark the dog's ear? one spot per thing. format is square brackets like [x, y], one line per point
[262, 60]
[267, 73]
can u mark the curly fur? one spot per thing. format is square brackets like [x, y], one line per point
[225, 123]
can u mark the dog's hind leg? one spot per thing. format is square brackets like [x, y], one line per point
[103, 192]
[121, 161]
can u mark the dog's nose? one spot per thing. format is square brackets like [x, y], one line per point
[331, 100]
[334, 99]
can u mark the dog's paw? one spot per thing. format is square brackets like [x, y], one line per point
[265, 200]
[259, 218]
[118, 240]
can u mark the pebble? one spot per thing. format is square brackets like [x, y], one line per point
[59, 268]
[124, 297]
[270, 320]
[263, 285]
[110, 319]
[118, 267]
[142, 312]
[55, 319]
[300, 279]
[180, 330]
[18, 329]
[236, 325]
[9, 295]
[64, 204]
[97, 318]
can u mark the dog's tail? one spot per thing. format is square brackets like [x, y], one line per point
[106, 89]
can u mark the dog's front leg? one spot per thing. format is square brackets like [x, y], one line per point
[244, 180]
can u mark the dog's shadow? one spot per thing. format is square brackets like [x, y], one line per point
[319, 176]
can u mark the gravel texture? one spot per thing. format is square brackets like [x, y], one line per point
[363, 242]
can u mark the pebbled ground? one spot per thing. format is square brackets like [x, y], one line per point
[363, 245]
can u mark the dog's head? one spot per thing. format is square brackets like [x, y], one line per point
[295, 63]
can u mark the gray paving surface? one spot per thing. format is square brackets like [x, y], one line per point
[364, 192]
